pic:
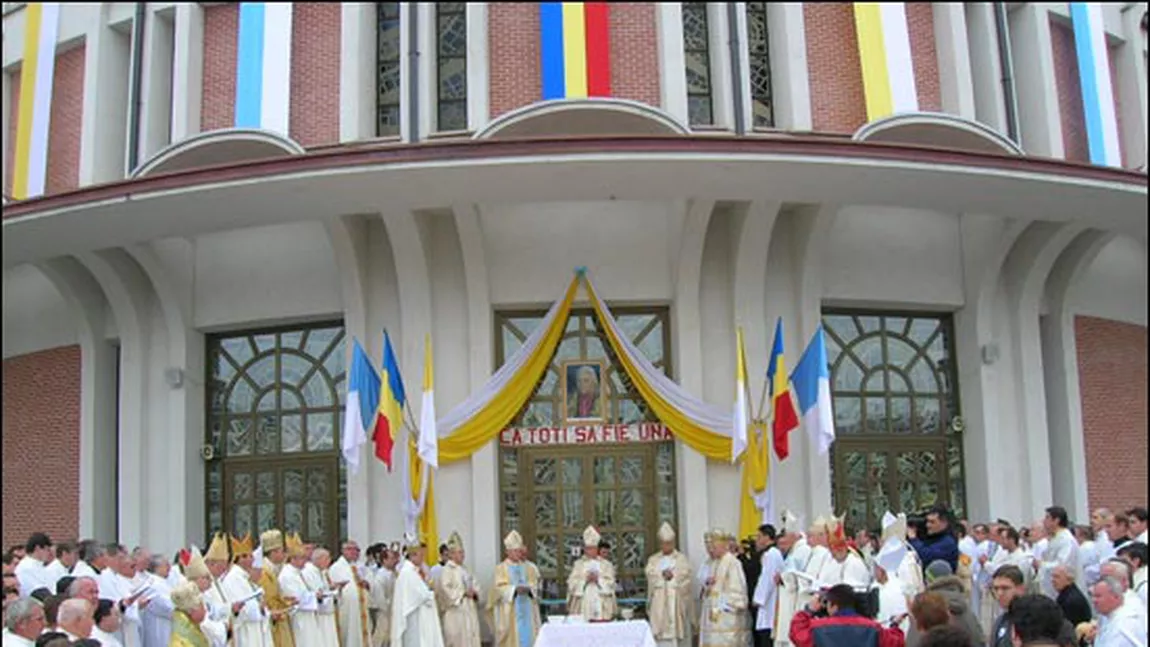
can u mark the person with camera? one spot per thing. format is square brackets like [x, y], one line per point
[836, 617]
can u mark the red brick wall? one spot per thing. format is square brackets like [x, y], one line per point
[1069, 93]
[513, 42]
[221, 31]
[41, 444]
[634, 52]
[10, 136]
[315, 43]
[924, 56]
[65, 122]
[1112, 380]
[837, 100]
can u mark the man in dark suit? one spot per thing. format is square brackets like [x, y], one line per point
[1074, 606]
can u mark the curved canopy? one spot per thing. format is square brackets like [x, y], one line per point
[937, 129]
[213, 147]
[593, 116]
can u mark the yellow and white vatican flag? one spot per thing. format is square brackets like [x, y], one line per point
[428, 435]
[739, 428]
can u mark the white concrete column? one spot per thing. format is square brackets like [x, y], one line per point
[187, 70]
[691, 468]
[672, 65]
[349, 243]
[428, 65]
[156, 85]
[790, 76]
[722, 92]
[956, 83]
[97, 501]
[1038, 112]
[104, 121]
[5, 115]
[478, 67]
[1060, 362]
[357, 71]
[181, 518]
[414, 282]
[985, 65]
[1130, 81]
[810, 230]
[405, 37]
[1026, 271]
[485, 501]
[985, 242]
[751, 246]
[127, 295]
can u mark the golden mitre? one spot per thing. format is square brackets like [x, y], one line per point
[271, 540]
[513, 540]
[454, 542]
[218, 550]
[196, 568]
[294, 545]
[241, 547]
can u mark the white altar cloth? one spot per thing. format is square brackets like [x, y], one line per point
[633, 633]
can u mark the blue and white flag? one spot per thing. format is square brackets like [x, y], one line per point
[361, 402]
[811, 380]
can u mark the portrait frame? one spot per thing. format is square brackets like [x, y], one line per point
[568, 387]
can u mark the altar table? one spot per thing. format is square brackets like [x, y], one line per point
[633, 633]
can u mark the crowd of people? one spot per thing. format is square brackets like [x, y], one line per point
[929, 581]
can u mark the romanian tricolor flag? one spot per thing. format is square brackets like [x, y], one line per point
[389, 415]
[575, 49]
[784, 418]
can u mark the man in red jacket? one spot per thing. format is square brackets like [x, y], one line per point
[843, 624]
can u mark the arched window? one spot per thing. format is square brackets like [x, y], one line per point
[697, 54]
[451, 65]
[275, 399]
[899, 444]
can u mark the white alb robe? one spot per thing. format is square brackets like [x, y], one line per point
[766, 596]
[669, 603]
[852, 570]
[325, 608]
[84, 569]
[156, 618]
[1061, 551]
[460, 613]
[382, 590]
[52, 574]
[592, 600]
[414, 619]
[304, 625]
[1124, 627]
[795, 562]
[30, 572]
[106, 639]
[251, 627]
[723, 619]
[352, 604]
[215, 623]
[116, 587]
[701, 577]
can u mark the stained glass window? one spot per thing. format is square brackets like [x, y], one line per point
[697, 52]
[387, 69]
[899, 444]
[451, 64]
[758, 50]
[274, 405]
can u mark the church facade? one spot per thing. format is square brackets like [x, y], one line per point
[205, 203]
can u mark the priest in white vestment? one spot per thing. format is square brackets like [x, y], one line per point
[723, 618]
[156, 618]
[793, 543]
[820, 555]
[31, 571]
[353, 597]
[514, 599]
[118, 582]
[766, 593]
[1062, 550]
[457, 595]
[893, 598]
[703, 574]
[591, 584]
[214, 625]
[382, 591]
[845, 565]
[669, 592]
[414, 618]
[251, 621]
[304, 625]
[313, 577]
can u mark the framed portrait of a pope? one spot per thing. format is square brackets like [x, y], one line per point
[584, 392]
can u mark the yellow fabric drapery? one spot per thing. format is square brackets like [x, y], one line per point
[756, 469]
[428, 528]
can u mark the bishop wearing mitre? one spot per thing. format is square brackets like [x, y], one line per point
[251, 622]
[845, 565]
[278, 603]
[514, 599]
[669, 592]
[414, 618]
[798, 552]
[304, 623]
[591, 585]
[723, 621]
[458, 596]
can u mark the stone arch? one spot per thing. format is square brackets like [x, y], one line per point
[218, 147]
[937, 129]
[591, 116]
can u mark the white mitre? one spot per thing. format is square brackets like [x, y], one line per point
[513, 541]
[666, 532]
[591, 536]
[893, 527]
[791, 522]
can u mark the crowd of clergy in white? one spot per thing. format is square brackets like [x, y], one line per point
[287, 593]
